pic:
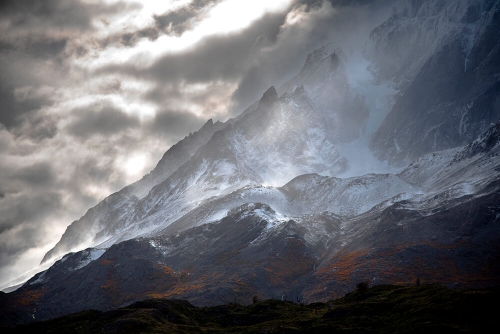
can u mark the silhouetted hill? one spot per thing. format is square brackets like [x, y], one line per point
[381, 309]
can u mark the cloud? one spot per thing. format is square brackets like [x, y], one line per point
[102, 120]
[26, 13]
[33, 212]
[178, 21]
[37, 175]
[58, 15]
[203, 63]
[196, 79]
[175, 123]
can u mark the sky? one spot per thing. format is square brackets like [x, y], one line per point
[92, 93]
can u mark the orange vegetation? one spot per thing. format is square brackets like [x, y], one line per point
[30, 296]
[106, 262]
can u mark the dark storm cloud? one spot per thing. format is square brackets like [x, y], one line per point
[36, 126]
[91, 170]
[60, 14]
[35, 32]
[25, 217]
[218, 57]
[55, 12]
[37, 175]
[177, 21]
[42, 47]
[175, 123]
[8, 106]
[36, 206]
[131, 38]
[174, 22]
[12, 109]
[102, 120]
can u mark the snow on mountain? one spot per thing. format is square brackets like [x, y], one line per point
[283, 138]
[117, 206]
[459, 172]
[345, 197]
[434, 178]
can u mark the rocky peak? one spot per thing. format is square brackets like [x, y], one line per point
[486, 142]
[300, 94]
[269, 97]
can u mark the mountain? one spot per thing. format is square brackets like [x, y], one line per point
[277, 201]
[445, 58]
[119, 204]
[305, 250]
[281, 138]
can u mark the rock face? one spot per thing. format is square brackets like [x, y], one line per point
[256, 205]
[445, 58]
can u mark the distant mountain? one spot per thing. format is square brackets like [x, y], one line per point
[445, 58]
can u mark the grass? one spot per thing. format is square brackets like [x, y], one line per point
[380, 309]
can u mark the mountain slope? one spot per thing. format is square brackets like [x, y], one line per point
[80, 233]
[439, 234]
[446, 59]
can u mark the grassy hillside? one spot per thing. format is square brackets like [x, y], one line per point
[380, 309]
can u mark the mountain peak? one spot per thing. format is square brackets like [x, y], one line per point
[300, 94]
[299, 91]
[269, 97]
[325, 51]
[484, 143]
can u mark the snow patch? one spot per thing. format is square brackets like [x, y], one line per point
[92, 255]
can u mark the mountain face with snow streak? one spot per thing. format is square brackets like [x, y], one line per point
[325, 78]
[445, 58]
[258, 204]
[114, 208]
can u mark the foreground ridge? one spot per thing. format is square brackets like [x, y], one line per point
[380, 309]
